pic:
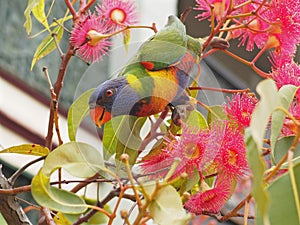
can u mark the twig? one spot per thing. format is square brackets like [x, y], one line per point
[61, 25]
[14, 191]
[47, 217]
[152, 133]
[234, 212]
[84, 183]
[220, 89]
[101, 204]
[15, 176]
[71, 8]
[54, 35]
[57, 89]
[125, 159]
[87, 6]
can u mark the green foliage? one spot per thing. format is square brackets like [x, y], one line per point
[126, 39]
[79, 160]
[285, 95]
[283, 207]
[122, 135]
[68, 219]
[28, 149]
[196, 120]
[281, 148]
[215, 112]
[77, 112]
[30, 6]
[54, 198]
[270, 100]
[2, 220]
[47, 45]
[257, 166]
[39, 13]
[166, 208]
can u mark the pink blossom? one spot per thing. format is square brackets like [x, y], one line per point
[190, 148]
[289, 126]
[220, 8]
[284, 31]
[286, 72]
[117, 13]
[252, 34]
[210, 200]
[240, 108]
[276, 26]
[89, 38]
[231, 150]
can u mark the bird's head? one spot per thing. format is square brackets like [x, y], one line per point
[102, 100]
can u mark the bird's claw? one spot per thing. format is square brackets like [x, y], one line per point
[179, 112]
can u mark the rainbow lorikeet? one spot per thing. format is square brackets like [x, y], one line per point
[156, 77]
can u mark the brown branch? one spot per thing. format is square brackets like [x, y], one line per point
[45, 217]
[71, 8]
[10, 207]
[219, 89]
[153, 134]
[87, 216]
[234, 212]
[56, 90]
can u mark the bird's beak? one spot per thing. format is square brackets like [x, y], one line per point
[99, 115]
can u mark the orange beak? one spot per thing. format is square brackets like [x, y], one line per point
[99, 115]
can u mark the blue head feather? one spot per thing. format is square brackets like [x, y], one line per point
[121, 102]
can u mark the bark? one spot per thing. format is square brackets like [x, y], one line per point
[10, 207]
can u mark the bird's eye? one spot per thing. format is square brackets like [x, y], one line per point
[109, 92]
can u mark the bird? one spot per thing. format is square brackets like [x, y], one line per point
[156, 77]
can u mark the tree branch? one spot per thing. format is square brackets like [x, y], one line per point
[10, 207]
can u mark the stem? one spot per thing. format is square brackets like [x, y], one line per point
[234, 212]
[152, 133]
[71, 8]
[250, 64]
[127, 166]
[57, 89]
[48, 218]
[292, 148]
[87, 6]
[15, 176]
[247, 90]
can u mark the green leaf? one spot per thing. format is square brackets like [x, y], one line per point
[28, 149]
[269, 101]
[39, 13]
[283, 208]
[2, 220]
[79, 159]
[216, 112]
[166, 207]
[286, 95]
[110, 136]
[77, 112]
[54, 198]
[67, 219]
[196, 119]
[47, 45]
[257, 166]
[28, 22]
[126, 38]
[129, 139]
[122, 135]
[282, 146]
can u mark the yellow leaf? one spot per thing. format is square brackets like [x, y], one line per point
[47, 45]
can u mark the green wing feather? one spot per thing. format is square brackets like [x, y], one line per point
[166, 47]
